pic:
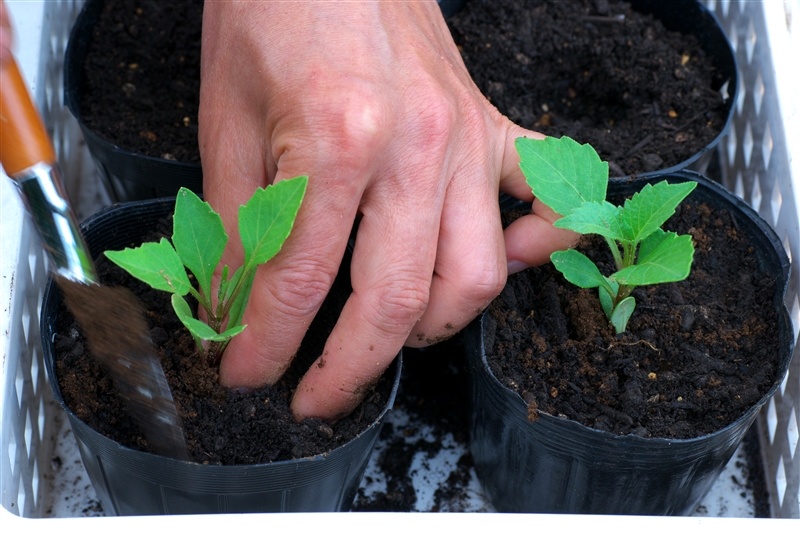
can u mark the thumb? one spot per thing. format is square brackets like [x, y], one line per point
[531, 239]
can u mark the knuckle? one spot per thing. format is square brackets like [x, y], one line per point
[436, 119]
[481, 284]
[298, 292]
[399, 304]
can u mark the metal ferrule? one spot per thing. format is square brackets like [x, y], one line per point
[43, 192]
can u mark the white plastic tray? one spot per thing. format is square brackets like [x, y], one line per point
[40, 471]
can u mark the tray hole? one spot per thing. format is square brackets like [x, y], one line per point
[12, 453]
[21, 499]
[35, 373]
[33, 259]
[28, 434]
[792, 433]
[41, 420]
[747, 145]
[19, 382]
[26, 321]
[772, 419]
[725, 5]
[35, 485]
[776, 201]
[755, 197]
[732, 145]
[733, 35]
[741, 96]
[787, 245]
[780, 481]
[750, 41]
[796, 317]
[738, 188]
[758, 92]
[784, 383]
[766, 146]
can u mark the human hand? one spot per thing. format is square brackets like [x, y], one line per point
[374, 104]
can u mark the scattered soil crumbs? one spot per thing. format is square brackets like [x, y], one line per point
[433, 393]
[696, 356]
[642, 96]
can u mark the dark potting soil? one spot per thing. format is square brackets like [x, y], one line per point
[697, 354]
[142, 77]
[642, 96]
[221, 426]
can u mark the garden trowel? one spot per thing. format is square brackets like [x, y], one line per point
[111, 318]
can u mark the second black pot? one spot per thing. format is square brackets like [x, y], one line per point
[556, 465]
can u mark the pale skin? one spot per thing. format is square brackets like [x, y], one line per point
[371, 100]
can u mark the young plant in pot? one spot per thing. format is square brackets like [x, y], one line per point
[247, 453]
[595, 388]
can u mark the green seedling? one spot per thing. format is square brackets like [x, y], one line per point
[571, 179]
[198, 241]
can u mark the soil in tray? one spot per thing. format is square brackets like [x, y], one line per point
[641, 95]
[696, 356]
[142, 77]
[222, 427]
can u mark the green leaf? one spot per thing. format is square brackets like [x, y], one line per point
[650, 208]
[562, 173]
[199, 238]
[155, 263]
[663, 257]
[622, 313]
[594, 218]
[267, 219]
[579, 270]
[197, 327]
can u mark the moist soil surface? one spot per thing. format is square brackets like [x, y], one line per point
[697, 353]
[221, 426]
[142, 77]
[642, 96]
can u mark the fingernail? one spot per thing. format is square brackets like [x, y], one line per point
[515, 266]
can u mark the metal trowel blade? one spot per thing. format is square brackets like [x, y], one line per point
[118, 337]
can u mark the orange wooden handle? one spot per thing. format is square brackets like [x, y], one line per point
[23, 139]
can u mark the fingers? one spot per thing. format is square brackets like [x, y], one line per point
[392, 265]
[531, 239]
[512, 181]
[470, 262]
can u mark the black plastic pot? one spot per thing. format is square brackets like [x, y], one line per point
[450, 7]
[127, 176]
[130, 482]
[558, 465]
[691, 17]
